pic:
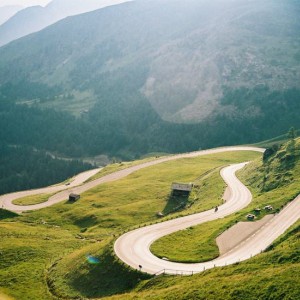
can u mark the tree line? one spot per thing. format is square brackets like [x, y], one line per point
[123, 124]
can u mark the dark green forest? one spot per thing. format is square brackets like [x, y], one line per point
[128, 131]
[22, 167]
[77, 88]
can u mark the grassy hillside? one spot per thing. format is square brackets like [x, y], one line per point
[279, 169]
[205, 51]
[273, 180]
[271, 275]
[26, 251]
[239, 280]
[71, 253]
[214, 68]
[100, 214]
[31, 200]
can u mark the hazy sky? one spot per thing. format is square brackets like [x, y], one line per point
[24, 2]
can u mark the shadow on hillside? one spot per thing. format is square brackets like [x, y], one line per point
[7, 214]
[107, 278]
[175, 203]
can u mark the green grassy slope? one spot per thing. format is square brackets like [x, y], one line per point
[64, 235]
[116, 206]
[31, 200]
[130, 202]
[27, 250]
[271, 275]
[273, 181]
[89, 225]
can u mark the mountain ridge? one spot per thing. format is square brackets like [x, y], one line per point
[36, 18]
[6, 12]
[182, 85]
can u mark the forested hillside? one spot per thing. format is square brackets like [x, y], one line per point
[134, 78]
[26, 168]
[116, 132]
[182, 59]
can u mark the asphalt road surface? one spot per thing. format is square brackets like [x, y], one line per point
[6, 200]
[133, 248]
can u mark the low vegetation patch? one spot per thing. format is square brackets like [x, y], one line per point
[114, 207]
[194, 244]
[25, 252]
[121, 165]
[31, 200]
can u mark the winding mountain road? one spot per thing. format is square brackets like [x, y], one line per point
[6, 201]
[133, 248]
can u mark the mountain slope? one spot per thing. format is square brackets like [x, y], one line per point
[27, 168]
[135, 78]
[251, 279]
[6, 12]
[35, 18]
[186, 57]
[64, 239]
